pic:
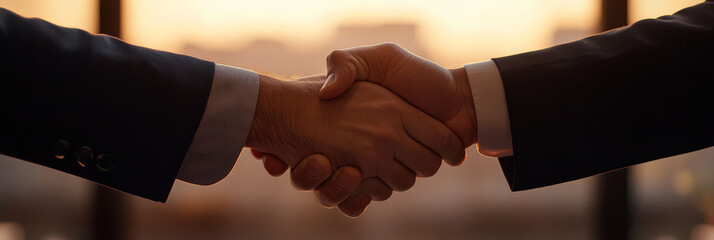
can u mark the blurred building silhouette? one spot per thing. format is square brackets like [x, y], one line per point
[276, 57]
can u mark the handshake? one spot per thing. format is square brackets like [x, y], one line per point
[575, 110]
[356, 142]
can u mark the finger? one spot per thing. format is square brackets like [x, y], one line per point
[274, 166]
[396, 175]
[434, 135]
[358, 63]
[343, 182]
[375, 188]
[342, 71]
[355, 204]
[421, 160]
[371, 189]
[311, 172]
[257, 154]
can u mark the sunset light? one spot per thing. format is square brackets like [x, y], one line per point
[603, 137]
[455, 31]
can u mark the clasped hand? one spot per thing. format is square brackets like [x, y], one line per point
[356, 142]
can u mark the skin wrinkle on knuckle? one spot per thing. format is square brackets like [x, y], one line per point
[390, 47]
[377, 69]
[336, 56]
[358, 66]
[441, 140]
[380, 70]
[374, 72]
[336, 61]
[399, 58]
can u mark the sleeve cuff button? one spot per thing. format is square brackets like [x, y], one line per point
[106, 162]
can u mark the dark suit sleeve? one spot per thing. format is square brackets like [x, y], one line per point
[127, 113]
[612, 100]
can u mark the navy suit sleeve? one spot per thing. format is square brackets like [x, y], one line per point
[96, 107]
[612, 100]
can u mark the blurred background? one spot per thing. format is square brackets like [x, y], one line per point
[666, 199]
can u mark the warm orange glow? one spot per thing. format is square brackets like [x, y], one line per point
[641, 9]
[456, 31]
[473, 201]
[70, 13]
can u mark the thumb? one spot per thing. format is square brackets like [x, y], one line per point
[342, 71]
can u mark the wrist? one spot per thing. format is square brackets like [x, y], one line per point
[283, 119]
[266, 114]
[470, 131]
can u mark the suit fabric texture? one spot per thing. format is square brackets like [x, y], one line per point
[616, 99]
[123, 116]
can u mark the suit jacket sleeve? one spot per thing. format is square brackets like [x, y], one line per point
[612, 100]
[65, 91]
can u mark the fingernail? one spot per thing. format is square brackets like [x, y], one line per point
[345, 181]
[314, 170]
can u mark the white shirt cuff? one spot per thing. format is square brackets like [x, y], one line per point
[224, 126]
[494, 127]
